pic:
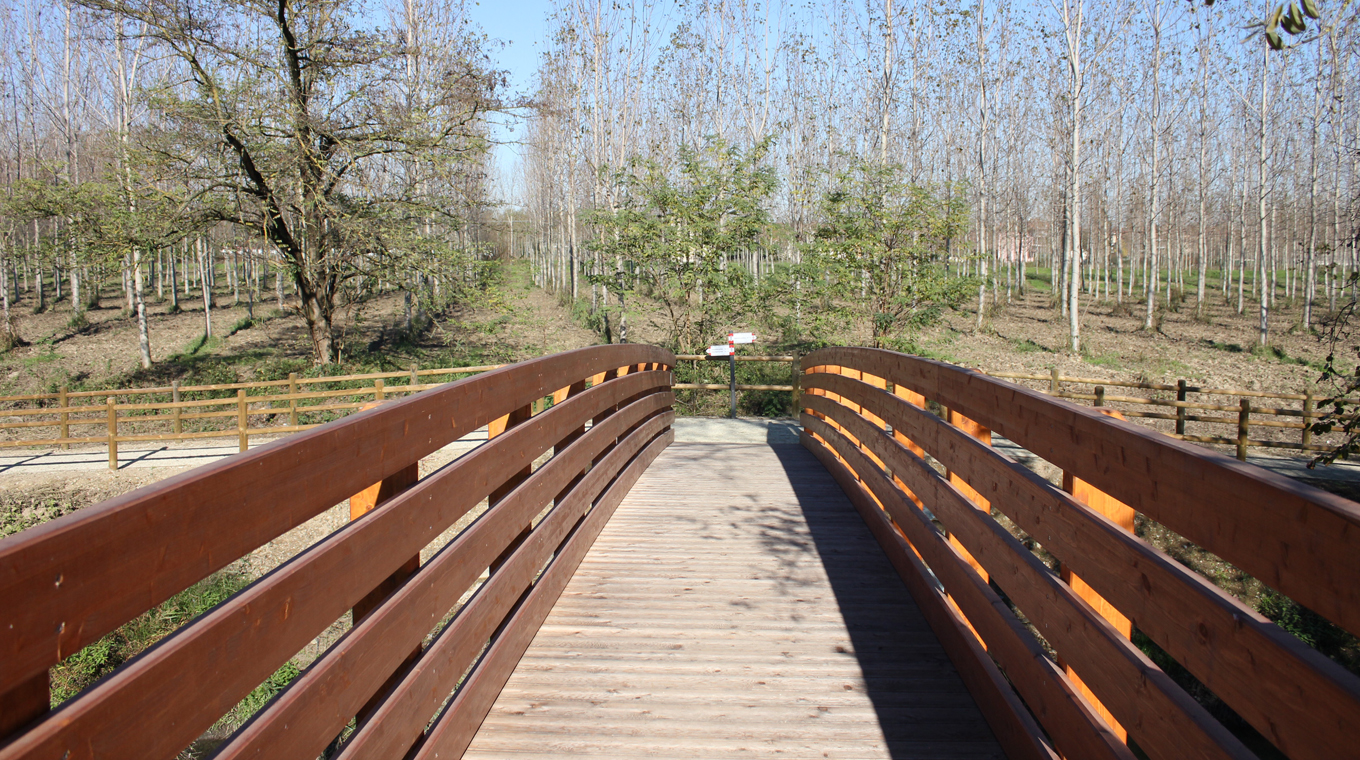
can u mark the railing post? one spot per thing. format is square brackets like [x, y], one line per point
[65, 428]
[985, 435]
[292, 399]
[378, 391]
[495, 429]
[113, 432]
[361, 504]
[1054, 383]
[175, 410]
[1243, 428]
[797, 367]
[1180, 410]
[241, 422]
[1122, 515]
[415, 378]
[1307, 416]
[1100, 396]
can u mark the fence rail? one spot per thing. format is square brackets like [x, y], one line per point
[257, 408]
[414, 683]
[988, 595]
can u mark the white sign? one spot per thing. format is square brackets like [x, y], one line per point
[719, 351]
[741, 337]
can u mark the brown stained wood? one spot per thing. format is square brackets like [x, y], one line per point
[23, 704]
[69, 581]
[1301, 701]
[1122, 515]
[314, 708]
[1054, 701]
[196, 675]
[985, 436]
[1165, 720]
[361, 504]
[455, 728]
[660, 625]
[1295, 538]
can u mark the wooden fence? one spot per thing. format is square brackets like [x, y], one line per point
[66, 583]
[243, 410]
[996, 606]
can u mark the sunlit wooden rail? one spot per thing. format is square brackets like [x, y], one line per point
[733, 604]
[66, 583]
[865, 418]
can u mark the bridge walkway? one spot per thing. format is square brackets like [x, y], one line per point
[735, 605]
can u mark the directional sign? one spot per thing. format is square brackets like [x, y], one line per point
[719, 351]
[743, 337]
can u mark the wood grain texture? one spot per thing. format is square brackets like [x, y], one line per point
[1298, 539]
[191, 678]
[1301, 701]
[69, 581]
[1167, 722]
[1053, 700]
[735, 606]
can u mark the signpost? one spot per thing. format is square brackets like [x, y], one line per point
[730, 351]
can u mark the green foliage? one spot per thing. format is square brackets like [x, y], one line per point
[881, 252]
[673, 238]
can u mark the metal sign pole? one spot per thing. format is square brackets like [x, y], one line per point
[732, 376]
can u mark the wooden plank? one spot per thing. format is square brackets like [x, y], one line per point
[114, 560]
[628, 657]
[1167, 722]
[1295, 538]
[319, 704]
[1301, 701]
[1055, 702]
[196, 675]
[453, 731]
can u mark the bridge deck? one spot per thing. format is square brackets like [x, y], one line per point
[735, 606]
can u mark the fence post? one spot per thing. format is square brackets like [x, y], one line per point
[415, 378]
[1243, 428]
[65, 428]
[378, 393]
[497, 428]
[1123, 516]
[113, 432]
[1307, 416]
[292, 400]
[175, 410]
[361, 504]
[1054, 383]
[241, 419]
[1180, 410]
[1100, 395]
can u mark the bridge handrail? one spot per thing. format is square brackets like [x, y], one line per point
[865, 414]
[68, 582]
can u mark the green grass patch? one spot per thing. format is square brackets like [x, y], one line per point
[1028, 346]
[1112, 361]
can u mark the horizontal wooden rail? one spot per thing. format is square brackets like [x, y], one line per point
[66, 583]
[864, 414]
[69, 411]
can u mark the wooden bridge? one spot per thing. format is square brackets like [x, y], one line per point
[874, 592]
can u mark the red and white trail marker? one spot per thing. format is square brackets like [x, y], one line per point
[741, 337]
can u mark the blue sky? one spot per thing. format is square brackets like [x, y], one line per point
[522, 27]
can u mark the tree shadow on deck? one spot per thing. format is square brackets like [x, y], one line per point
[922, 706]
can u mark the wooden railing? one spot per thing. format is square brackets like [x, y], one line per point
[241, 411]
[987, 596]
[1248, 410]
[413, 684]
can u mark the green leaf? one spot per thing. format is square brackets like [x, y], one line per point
[1273, 22]
[1273, 39]
[1310, 8]
[1293, 21]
